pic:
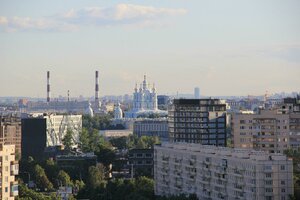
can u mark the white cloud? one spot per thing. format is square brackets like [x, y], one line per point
[120, 14]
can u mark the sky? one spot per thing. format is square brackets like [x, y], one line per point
[232, 47]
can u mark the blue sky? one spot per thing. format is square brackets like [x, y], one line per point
[232, 47]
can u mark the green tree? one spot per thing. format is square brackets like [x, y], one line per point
[106, 155]
[64, 178]
[27, 194]
[145, 187]
[51, 169]
[141, 144]
[96, 177]
[84, 140]
[41, 179]
[67, 140]
[120, 143]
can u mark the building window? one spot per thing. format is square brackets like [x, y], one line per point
[268, 175]
[139, 155]
[6, 189]
[148, 155]
[6, 178]
[282, 167]
[269, 182]
[140, 162]
[282, 182]
[269, 189]
[283, 190]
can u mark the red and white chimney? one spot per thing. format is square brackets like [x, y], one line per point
[97, 86]
[48, 86]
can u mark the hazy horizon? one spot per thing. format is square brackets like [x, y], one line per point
[225, 48]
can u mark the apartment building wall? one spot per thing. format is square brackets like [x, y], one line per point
[10, 132]
[8, 169]
[268, 130]
[213, 172]
[198, 121]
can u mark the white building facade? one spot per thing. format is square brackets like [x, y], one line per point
[57, 126]
[213, 172]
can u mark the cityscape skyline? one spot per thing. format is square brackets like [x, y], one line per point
[248, 43]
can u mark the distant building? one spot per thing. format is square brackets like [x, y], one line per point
[152, 127]
[109, 134]
[10, 132]
[198, 121]
[216, 173]
[46, 131]
[141, 162]
[9, 168]
[144, 101]
[58, 106]
[291, 105]
[163, 102]
[197, 93]
[118, 113]
[269, 130]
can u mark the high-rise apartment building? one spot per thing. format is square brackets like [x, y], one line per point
[269, 130]
[214, 173]
[9, 168]
[198, 121]
[10, 132]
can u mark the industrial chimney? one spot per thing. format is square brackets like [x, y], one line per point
[48, 86]
[96, 87]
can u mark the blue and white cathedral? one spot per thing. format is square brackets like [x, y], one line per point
[144, 100]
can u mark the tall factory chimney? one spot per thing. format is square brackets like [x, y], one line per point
[97, 104]
[97, 87]
[48, 86]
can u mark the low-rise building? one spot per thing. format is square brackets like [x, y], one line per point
[152, 127]
[141, 162]
[77, 164]
[109, 134]
[47, 131]
[213, 172]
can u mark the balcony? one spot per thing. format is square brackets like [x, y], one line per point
[14, 168]
[14, 189]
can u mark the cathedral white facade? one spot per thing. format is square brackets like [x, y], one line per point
[144, 100]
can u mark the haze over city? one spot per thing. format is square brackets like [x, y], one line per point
[223, 47]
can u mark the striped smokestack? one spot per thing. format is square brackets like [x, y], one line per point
[48, 86]
[96, 86]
